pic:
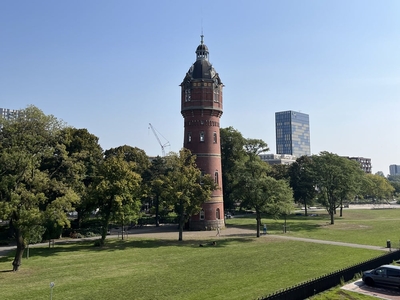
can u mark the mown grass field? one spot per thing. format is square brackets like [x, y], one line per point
[236, 268]
[364, 226]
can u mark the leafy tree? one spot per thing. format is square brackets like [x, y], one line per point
[279, 172]
[232, 151]
[116, 191]
[394, 180]
[186, 189]
[154, 180]
[259, 191]
[255, 146]
[378, 187]
[336, 178]
[82, 147]
[131, 154]
[302, 181]
[351, 187]
[30, 192]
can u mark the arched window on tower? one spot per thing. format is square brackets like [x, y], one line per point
[215, 137]
[216, 179]
[202, 215]
[218, 214]
[189, 137]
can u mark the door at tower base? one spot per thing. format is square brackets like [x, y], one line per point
[210, 217]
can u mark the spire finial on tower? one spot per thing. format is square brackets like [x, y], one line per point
[202, 36]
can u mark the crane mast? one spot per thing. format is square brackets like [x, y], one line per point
[159, 141]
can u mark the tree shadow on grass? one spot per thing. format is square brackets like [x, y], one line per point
[118, 245]
[7, 257]
[294, 223]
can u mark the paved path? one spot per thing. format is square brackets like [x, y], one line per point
[171, 232]
[380, 292]
[333, 243]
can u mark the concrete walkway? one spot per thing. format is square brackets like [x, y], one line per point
[170, 232]
[334, 243]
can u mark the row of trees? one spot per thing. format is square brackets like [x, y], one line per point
[326, 178]
[48, 169]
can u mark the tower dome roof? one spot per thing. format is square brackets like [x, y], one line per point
[202, 68]
[202, 47]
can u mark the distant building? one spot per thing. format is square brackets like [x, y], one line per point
[292, 133]
[278, 159]
[8, 114]
[365, 163]
[394, 170]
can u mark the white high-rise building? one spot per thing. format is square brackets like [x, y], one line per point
[9, 113]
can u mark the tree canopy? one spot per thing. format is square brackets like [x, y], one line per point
[36, 175]
[302, 181]
[185, 188]
[258, 191]
[116, 191]
[336, 178]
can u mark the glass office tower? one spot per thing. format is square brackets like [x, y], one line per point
[292, 133]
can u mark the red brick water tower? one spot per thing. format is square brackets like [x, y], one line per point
[201, 107]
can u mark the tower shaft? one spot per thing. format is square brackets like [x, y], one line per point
[201, 108]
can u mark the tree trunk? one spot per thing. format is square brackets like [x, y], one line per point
[181, 224]
[157, 212]
[104, 230]
[305, 208]
[20, 250]
[332, 212]
[258, 223]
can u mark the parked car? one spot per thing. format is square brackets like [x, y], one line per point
[386, 274]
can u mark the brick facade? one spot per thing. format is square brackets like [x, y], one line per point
[201, 108]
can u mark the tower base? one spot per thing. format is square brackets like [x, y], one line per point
[205, 225]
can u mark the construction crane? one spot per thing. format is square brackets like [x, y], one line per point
[158, 139]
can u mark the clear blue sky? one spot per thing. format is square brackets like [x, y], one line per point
[113, 67]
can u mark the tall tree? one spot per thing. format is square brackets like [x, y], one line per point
[131, 154]
[378, 188]
[261, 192]
[185, 187]
[84, 150]
[31, 192]
[302, 181]
[255, 146]
[279, 172]
[154, 179]
[116, 191]
[232, 151]
[335, 178]
[394, 180]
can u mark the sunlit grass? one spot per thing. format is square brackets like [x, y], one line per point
[367, 227]
[240, 268]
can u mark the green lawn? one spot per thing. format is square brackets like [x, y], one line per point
[236, 268]
[367, 227]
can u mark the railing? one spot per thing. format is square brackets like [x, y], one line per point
[310, 288]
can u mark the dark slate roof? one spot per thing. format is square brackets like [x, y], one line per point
[202, 69]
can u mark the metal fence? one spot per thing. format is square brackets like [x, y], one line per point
[310, 288]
